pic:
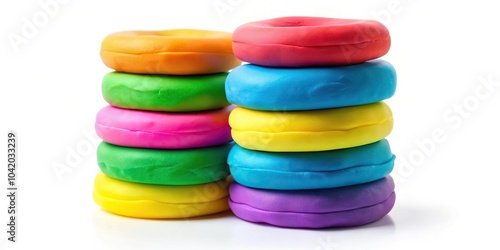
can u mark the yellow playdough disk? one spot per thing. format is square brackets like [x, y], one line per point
[312, 130]
[174, 52]
[160, 201]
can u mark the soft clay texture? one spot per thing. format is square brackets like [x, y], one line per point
[173, 52]
[319, 208]
[147, 129]
[311, 170]
[165, 167]
[160, 201]
[165, 92]
[312, 130]
[310, 41]
[310, 88]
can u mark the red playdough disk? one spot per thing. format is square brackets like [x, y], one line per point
[310, 41]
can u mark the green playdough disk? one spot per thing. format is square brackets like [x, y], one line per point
[165, 92]
[165, 167]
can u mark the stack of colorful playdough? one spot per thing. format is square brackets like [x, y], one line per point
[165, 133]
[310, 125]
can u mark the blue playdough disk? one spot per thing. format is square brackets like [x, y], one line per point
[265, 88]
[311, 170]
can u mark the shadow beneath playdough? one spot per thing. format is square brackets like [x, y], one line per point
[226, 213]
[112, 229]
[386, 223]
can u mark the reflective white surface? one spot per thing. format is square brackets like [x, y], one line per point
[446, 56]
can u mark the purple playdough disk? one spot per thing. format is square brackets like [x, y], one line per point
[334, 207]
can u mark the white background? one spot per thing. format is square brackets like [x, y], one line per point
[447, 192]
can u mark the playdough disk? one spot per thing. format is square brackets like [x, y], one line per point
[173, 52]
[147, 129]
[165, 92]
[317, 208]
[164, 166]
[160, 201]
[310, 41]
[311, 130]
[310, 88]
[311, 170]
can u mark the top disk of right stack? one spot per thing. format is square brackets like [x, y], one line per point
[310, 41]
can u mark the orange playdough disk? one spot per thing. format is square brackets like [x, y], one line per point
[174, 52]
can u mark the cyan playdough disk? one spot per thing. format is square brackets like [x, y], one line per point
[265, 88]
[311, 170]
